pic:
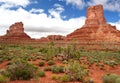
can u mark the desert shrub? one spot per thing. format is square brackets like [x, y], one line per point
[54, 77]
[57, 69]
[34, 58]
[21, 69]
[41, 63]
[117, 80]
[61, 69]
[65, 62]
[47, 68]
[48, 55]
[9, 63]
[50, 63]
[1, 60]
[89, 80]
[7, 58]
[41, 73]
[75, 71]
[110, 78]
[71, 52]
[65, 78]
[3, 79]
[111, 63]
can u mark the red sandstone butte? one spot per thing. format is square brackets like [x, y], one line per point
[15, 33]
[95, 28]
[51, 38]
[42, 39]
[55, 37]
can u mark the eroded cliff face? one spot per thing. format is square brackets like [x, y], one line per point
[15, 33]
[51, 38]
[95, 28]
[16, 28]
[95, 15]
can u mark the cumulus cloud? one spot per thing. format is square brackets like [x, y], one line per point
[117, 24]
[38, 25]
[14, 3]
[111, 5]
[56, 11]
[33, 10]
[80, 4]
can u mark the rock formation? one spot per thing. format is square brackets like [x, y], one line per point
[55, 37]
[95, 28]
[51, 38]
[95, 15]
[15, 33]
[42, 39]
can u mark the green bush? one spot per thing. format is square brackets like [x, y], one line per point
[21, 69]
[41, 63]
[41, 73]
[111, 63]
[57, 69]
[3, 79]
[50, 63]
[90, 80]
[65, 78]
[61, 69]
[117, 80]
[47, 68]
[54, 77]
[34, 58]
[110, 78]
[75, 71]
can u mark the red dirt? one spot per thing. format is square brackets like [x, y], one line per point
[4, 64]
[94, 72]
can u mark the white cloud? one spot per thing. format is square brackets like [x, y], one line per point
[111, 5]
[38, 25]
[41, 24]
[80, 4]
[33, 10]
[14, 3]
[56, 11]
[117, 24]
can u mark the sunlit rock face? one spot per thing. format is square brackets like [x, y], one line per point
[95, 15]
[15, 33]
[95, 28]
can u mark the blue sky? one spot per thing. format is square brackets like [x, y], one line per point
[45, 17]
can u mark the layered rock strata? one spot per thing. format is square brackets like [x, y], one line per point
[95, 28]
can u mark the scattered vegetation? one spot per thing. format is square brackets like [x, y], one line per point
[77, 61]
[41, 73]
[20, 70]
[54, 77]
[76, 71]
[111, 78]
[48, 68]
[56, 69]
[65, 78]
[50, 63]
[41, 63]
[3, 79]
